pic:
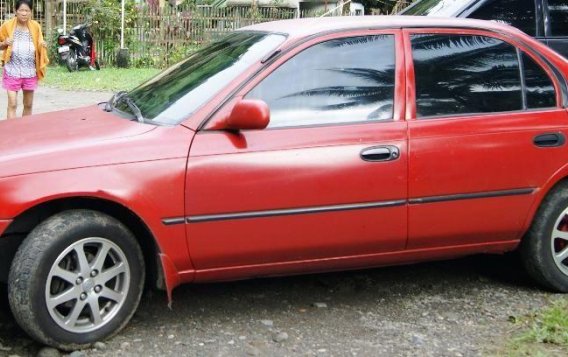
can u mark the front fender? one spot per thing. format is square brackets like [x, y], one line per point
[152, 190]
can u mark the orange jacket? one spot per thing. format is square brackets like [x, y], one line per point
[41, 60]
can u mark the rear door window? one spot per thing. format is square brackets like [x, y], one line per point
[459, 74]
[517, 13]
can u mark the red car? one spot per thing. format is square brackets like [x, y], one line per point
[290, 147]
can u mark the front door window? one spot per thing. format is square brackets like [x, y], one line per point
[338, 81]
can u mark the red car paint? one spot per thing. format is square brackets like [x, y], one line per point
[177, 180]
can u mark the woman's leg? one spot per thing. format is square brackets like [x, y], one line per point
[12, 104]
[28, 102]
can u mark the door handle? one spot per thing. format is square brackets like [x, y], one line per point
[549, 140]
[380, 153]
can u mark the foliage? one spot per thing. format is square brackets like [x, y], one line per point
[107, 79]
[550, 326]
[544, 333]
[52, 47]
[385, 6]
[105, 15]
[105, 19]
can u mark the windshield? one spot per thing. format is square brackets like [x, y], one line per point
[442, 8]
[176, 93]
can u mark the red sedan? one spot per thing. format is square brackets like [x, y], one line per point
[286, 148]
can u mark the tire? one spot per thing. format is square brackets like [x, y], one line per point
[544, 249]
[51, 282]
[72, 64]
[97, 65]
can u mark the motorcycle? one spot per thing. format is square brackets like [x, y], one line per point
[78, 49]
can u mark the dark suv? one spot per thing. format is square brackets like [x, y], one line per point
[546, 20]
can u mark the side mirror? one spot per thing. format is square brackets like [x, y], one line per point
[246, 114]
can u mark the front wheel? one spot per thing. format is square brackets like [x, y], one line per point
[72, 64]
[76, 279]
[545, 246]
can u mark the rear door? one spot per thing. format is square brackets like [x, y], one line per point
[326, 179]
[483, 138]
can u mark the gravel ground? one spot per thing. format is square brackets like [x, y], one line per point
[454, 308]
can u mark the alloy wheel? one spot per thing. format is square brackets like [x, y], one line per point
[87, 285]
[559, 242]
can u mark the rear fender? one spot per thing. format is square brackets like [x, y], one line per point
[540, 193]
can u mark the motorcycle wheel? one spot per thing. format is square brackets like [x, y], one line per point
[72, 64]
[97, 65]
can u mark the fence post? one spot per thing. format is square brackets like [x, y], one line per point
[48, 19]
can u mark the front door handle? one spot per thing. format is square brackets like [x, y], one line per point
[549, 140]
[380, 153]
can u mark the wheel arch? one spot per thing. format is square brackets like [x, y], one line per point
[22, 224]
[558, 179]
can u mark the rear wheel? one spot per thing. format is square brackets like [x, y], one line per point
[72, 64]
[545, 247]
[76, 279]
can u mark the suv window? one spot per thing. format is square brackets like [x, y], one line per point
[434, 8]
[558, 15]
[520, 14]
[458, 74]
[539, 87]
[338, 81]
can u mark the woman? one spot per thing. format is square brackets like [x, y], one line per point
[25, 57]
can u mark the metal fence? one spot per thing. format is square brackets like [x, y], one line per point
[159, 36]
[162, 36]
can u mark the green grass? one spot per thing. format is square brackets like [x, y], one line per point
[543, 334]
[107, 79]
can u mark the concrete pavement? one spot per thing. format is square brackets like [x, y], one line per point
[51, 99]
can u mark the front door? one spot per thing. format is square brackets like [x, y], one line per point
[327, 178]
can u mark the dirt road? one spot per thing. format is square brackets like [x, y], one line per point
[49, 99]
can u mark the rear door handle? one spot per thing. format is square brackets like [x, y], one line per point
[549, 140]
[380, 153]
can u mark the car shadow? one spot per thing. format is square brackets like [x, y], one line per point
[352, 287]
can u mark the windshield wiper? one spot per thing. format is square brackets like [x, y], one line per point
[109, 106]
[122, 96]
[133, 107]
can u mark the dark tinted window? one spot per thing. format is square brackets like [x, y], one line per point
[338, 81]
[434, 8]
[558, 14]
[518, 13]
[539, 87]
[458, 74]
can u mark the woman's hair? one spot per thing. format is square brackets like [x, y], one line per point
[22, 2]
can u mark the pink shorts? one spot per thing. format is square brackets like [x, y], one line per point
[15, 84]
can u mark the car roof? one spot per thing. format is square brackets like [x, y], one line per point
[304, 27]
